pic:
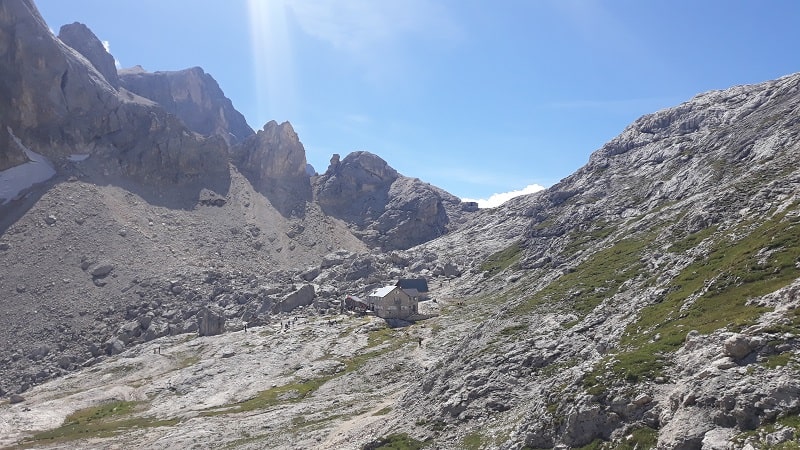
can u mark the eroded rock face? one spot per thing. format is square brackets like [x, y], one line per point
[54, 96]
[58, 96]
[192, 95]
[384, 208]
[80, 37]
[274, 160]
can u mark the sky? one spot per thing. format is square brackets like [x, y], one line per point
[476, 97]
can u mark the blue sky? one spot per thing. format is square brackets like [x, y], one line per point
[473, 96]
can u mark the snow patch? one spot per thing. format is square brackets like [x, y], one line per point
[78, 157]
[19, 178]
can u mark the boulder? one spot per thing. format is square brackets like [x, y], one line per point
[737, 346]
[301, 297]
[210, 322]
[102, 270]
[15, 398]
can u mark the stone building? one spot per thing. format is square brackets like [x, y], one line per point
[392, 302]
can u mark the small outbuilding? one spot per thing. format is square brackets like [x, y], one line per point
[392, 302]
[416, 288]
[353, 303]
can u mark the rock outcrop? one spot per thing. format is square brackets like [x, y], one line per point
[275, 162]
[210, 322]
[80, 37]
[384, 208]
[55, 95]
[194, 97]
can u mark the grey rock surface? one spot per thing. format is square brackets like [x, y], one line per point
[193, 96]
[385, 209]
[80, 37]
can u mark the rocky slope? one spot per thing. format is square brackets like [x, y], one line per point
[137, 223]
[652, 298]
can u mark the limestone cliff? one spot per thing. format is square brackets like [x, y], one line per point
[275, 162]
[192, 95]
[80, 37]
[59, 104]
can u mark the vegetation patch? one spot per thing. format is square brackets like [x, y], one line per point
[383, 411]
[514, 330]
[395, 441]
[597, 278]
[288, 393]
[474, 441]
[780, 360]
[755, 437]
[580, 240]
[641, 438]
[106, 420]
[740, 266]
[502, 260]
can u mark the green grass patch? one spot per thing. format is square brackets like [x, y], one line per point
[778, 360]
[288, 393]
[791, 421]
[642, 438]
[474, 441]
[106, 420]
[395, 441]
[502, 260]
[297, 391]
[692, 240]
[597, 278]
[580, 240]
[514, 330]
[383, 411]
[736, 270]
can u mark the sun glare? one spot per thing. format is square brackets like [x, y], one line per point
[272, 60]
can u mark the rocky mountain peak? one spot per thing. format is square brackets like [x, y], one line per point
[60, 104]
[275, 152]
[83, 40]
[364, 170]
[192, 95]
[274, 160]
[384, 208]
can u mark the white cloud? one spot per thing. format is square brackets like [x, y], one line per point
[107, 46]
[498, 199]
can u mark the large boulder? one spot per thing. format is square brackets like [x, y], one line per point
[210, 322]
[301, 297]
